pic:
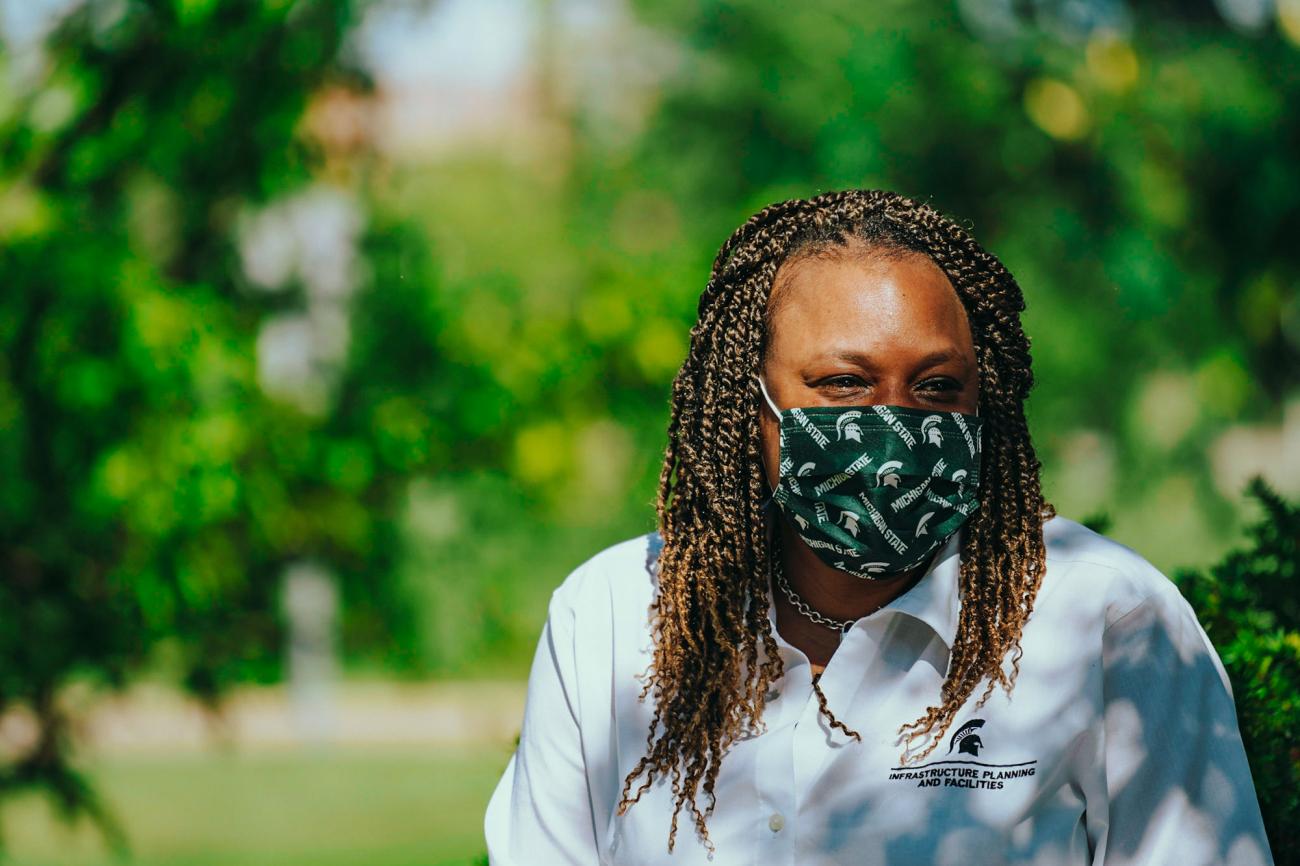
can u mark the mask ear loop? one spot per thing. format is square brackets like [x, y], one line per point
[767, 503]
[763, 387]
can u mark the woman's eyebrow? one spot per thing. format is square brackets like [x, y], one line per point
[867, 361]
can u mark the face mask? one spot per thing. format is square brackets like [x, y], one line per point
[873, 490]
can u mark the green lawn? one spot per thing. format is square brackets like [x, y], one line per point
[398, 806]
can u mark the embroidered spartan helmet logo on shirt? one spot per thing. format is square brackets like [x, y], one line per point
[966, 739]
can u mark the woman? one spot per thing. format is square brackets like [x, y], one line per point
[852, 538]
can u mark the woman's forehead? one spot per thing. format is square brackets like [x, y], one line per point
[863, 304]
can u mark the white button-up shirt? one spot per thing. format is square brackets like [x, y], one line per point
[1119, 743]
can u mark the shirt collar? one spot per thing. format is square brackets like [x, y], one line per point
[934, 599]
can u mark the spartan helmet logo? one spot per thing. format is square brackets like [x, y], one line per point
[846, 429]
[806, 468]
[803, 524]
[959, 476]
[920, 526]
[966, 740]
[886, 475]
[930, 431]
[850, 522]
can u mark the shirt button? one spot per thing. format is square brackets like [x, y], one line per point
[776, 823]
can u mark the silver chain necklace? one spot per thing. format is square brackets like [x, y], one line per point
[841, 626]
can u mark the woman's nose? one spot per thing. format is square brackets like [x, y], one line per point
[894, 393]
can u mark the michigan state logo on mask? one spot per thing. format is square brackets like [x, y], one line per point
[873, 490]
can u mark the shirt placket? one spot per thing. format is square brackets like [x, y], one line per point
[774, 767]
[839, 682]
[806, 750]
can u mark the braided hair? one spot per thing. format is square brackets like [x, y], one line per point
[714, 653]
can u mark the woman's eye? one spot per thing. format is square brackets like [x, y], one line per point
[940, 385]
[844, 382]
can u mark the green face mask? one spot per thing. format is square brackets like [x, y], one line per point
[873, 490]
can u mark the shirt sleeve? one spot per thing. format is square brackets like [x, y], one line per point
[541, 810]
[1179, 786]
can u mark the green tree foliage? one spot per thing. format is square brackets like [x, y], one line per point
[152, 493]
[1250, 606]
